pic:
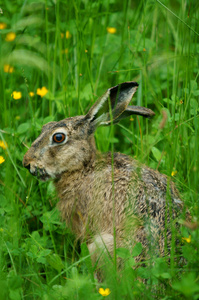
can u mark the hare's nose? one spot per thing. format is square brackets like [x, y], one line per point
[27, 166]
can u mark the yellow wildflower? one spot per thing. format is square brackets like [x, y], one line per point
[111, 30]
[105, 292]
[3, 25]
[31, 94]
[65, 51]
[3, 145]
[2, 159]
[68, 35]
[16, 95]
[173, 173]
[17, 118]
[8, 69]
[10, 37]
[144, 49]
[42, 92]
[188, 240]
[1, 229]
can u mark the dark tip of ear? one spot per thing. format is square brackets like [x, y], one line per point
[123, 86]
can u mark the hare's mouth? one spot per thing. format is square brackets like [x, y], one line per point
[44, 177]
[40, 173]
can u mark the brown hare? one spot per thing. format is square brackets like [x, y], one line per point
[109, 200]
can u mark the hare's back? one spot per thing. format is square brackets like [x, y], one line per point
[145, 189]
[152, 202]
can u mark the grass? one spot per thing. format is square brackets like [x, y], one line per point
[66, 47]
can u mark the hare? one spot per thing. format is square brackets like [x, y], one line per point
[107, 199]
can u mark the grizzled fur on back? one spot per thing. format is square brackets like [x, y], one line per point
[104, 193]
[137, 193]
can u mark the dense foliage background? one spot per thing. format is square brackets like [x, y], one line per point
[56, 58]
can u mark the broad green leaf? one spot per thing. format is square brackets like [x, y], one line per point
[156, 153]
[55, 261]
[187, 285]
[137, 249]
[15, 282]
[123, 252]
[24, 127]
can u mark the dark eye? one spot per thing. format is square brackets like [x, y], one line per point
[58, 137]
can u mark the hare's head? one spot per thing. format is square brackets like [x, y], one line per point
[68, 145]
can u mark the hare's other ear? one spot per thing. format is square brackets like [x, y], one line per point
[111, 105]
[136, 110]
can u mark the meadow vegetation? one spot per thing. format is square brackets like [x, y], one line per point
[56, 58]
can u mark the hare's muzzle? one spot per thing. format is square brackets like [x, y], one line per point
[26, 163]
[34, 169]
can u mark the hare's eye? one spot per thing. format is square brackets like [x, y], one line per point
[58, 137]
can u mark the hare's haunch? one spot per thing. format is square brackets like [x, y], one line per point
[104, 193]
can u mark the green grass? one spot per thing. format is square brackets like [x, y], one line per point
[157, 45]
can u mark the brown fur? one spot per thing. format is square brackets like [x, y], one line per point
[102, 192]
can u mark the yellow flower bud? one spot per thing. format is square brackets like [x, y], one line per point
[16, 95]
[2, 159]
[3, 25]
[8, 69]
[105, 292]
[111, 30]
[42, 92]
[3, 145]
[10, 37]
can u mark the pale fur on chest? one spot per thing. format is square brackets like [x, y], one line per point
[94, 201]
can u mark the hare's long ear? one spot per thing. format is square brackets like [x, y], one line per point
[116, 100]
[136, 110]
